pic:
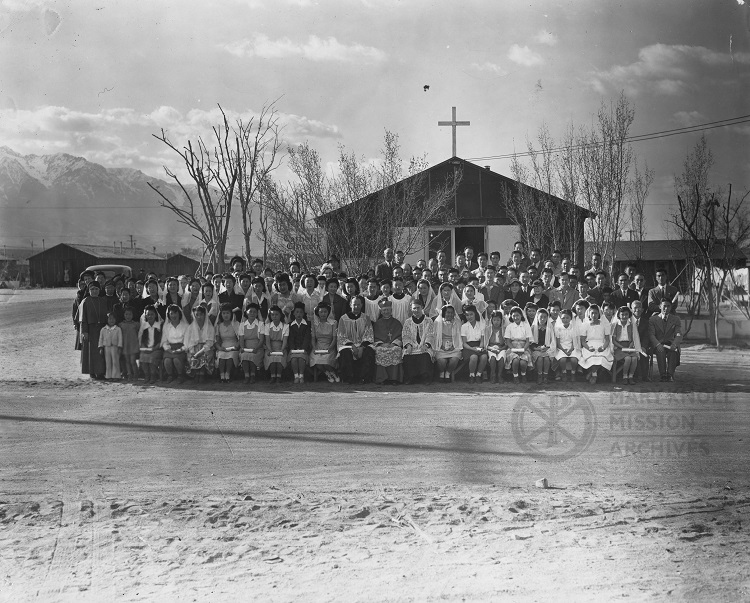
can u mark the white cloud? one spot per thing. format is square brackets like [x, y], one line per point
[689, 118]
[488, 67]
[666, 69]
[314, 49]
[545, 37]
[523, 55]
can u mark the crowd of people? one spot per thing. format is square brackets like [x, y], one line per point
[523, 318]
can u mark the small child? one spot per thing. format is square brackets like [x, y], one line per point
[300, 342]
[149, 340]
[129, 328]
[275, 336]
[251, 342]
[110, 346]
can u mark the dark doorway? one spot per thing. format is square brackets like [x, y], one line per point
[472, 236]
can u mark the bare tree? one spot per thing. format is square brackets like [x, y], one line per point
[641, 183]
[212, 169]
[257, 158]
[713, 227]
[358, 210]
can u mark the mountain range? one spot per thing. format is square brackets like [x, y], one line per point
[63, 198]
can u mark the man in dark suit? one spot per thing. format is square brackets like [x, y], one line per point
[623, 295]
[665, 333]
[639, 286]
[597, 292]
[384, 270]
[662, 291]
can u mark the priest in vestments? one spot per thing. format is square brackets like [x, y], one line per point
[356, 356]
[387, 344]
[418, 337]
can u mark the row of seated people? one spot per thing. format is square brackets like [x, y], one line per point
[358, 348]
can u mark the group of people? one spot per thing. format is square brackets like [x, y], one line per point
[396, 324]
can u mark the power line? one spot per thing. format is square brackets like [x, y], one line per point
[722, 123]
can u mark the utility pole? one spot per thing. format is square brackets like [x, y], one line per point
[132, 242]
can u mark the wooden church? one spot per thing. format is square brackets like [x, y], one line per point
[477, 214]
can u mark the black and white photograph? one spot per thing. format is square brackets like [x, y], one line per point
[374, 300]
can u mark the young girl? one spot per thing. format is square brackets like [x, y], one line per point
[595, 340]
[173, 343]
[276, 334]
[518, 339]
[227, 342]
[191, 298]
[110, 346]
[472, 337]
[129, 328]
[282, 299]
[149, 340]
[324, 334]
[568, 345]
[542, 345]
[300, 342]
[448, 342]
[470, 297]
[199, 341]
[251, 342]
[259, 296]
[446, 296]
[496, 347]
[624, 337]
[309, 296]
[530, 310]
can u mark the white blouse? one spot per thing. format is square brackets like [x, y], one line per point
[518, 332]
[472, 333]
[172, 334]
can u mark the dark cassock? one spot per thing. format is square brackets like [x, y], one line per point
[93, 319]
[387, 344]
[356, 356]
[418, 337]
[81, 294]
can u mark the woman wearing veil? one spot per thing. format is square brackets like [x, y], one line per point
[595, 343]
[199, 343]
[446, 295]
[448, 344]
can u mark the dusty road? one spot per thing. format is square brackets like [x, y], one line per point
[125, 492]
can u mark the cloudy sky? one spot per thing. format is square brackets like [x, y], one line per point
[97, 78]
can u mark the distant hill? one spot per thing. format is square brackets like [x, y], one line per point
[65, 198]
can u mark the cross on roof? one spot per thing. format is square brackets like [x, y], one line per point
[453, 123]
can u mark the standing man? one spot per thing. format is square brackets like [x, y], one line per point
[469, 254]
[623, 295]
[639, 286]
[384, 270]
[662, 291]
[665, 332]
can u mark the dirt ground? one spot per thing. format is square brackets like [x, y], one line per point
[115, 491]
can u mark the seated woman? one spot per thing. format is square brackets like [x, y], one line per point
[496, 348]
[300, 341]
[447, 342]
[568, 345]
[173, 343]
[418, 336]
[387, 344]
[199, 342]
[542, 345]
[625, 341]
[595, 338]
[356, 356]
[472, 338]
[275, 337]
[324, 335]
[251, 342]
[518, 339]
[227, 342]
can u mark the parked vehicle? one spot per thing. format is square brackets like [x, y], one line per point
[111, 270]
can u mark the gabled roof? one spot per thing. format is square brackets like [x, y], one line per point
[660, 250]
[465, 166]
[106, 252]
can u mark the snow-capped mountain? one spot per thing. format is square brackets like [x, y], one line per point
[65, 197]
